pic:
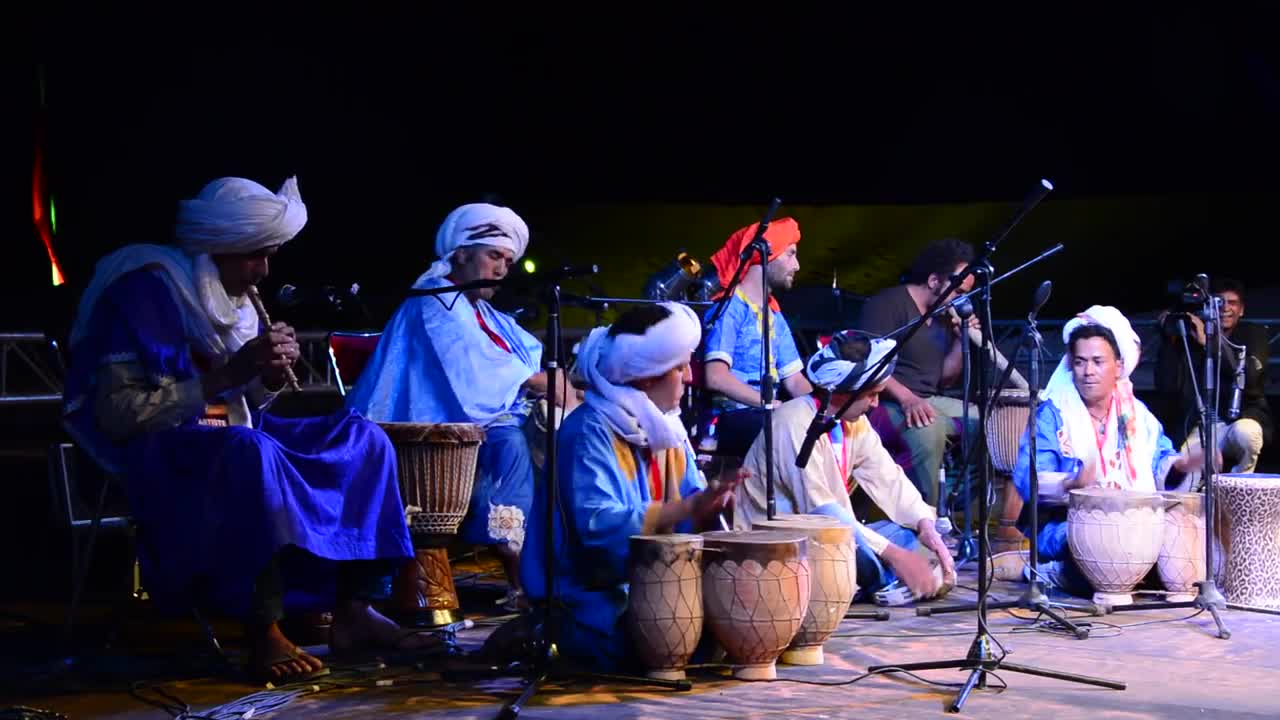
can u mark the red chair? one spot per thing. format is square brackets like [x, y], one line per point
[348, 354]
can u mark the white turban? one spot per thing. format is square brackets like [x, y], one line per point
[609, 363]
[828, 368]
[235, 215]
[1115, 321]
[477, 224]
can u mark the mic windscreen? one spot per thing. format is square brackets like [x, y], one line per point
[287, 296]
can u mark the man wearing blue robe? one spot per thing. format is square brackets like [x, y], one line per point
[170, 375]
[453, 358]
[1091, 428]
[624, 467]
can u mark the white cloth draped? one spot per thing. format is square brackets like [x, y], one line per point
[608, 364]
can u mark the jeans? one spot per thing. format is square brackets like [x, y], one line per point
[928, 444]
[873, 574]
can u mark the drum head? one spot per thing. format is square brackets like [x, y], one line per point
[433, 433]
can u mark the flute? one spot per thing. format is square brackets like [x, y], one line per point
[265, 319]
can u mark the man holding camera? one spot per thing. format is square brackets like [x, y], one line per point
[1244, 418]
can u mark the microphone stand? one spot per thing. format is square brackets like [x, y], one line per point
[980, 659]
[1209, 597]
[964, 311]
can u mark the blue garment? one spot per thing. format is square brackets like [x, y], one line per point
[873, 574]
[737, 337]
[605, 497]
[1052, 543]
[436, 364]
[214, 505]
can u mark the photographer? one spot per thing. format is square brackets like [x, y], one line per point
[1244, 421]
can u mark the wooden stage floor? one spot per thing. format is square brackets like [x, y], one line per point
[1175, 667]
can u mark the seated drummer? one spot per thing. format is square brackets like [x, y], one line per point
[625, 467]
[848, 457]
[1091, 427]
[453, 358]
[734, 345]
[236, 506]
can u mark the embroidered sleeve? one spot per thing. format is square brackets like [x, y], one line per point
[129, 403]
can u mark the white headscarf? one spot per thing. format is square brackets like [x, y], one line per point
[476, 224]
[830, 370]
[608, 364]
[230, 215]
[1080, 438]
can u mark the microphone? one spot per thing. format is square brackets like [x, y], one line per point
[1237, 387]
[565, 272]
[750, 249]
[963, 308]
[820, 423]
[1041, 297]
[328, 296]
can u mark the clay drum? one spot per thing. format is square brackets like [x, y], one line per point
[664, 614]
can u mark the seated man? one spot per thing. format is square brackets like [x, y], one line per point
[931, 361]
[453, 358]
[624, 467]
[171, 370]
[1092, 427]
[848, 457]
[734, 349]
[1240, 439]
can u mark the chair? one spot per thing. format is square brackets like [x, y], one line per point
[348, 354]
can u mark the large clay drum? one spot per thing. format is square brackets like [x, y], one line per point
[1247, 514]
[755, 592]
[436, 466]
[834, 581]
[664, 613]
[1182, 549]
[1115, 538]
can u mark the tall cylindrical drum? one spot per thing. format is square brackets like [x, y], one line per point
[664, 607]
[834, 571]
[1182, 550]
[755, 591]
[1115, 538]
[1247, 514]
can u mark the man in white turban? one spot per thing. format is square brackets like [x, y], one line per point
[170, 379]
[1092, 428]
[848, 457]
[453, 358]
[625, 467]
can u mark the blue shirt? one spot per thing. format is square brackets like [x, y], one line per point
[736, 340]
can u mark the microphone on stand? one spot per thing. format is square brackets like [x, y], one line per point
[1041, 297]
[1237, 387]
[328, 296]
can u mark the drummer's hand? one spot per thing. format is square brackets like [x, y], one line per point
[930, 538]
[1087, 477]
[914, 570]
[1193, 461]
[718, 497]
[919, 412]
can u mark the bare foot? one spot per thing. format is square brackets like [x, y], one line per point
[272, 657]
[360, 627]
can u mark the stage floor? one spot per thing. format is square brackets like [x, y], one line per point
[1174, 665]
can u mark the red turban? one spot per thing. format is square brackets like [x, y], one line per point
[781, 234]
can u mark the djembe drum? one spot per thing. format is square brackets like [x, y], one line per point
[1182, 560]
[1247, 515]
[436, 465]
[834, 571]
[664, 613]
[1006, 424]
[755, 591]
[1115, 538]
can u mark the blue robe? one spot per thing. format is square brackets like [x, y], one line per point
[215, 504]
[435, 364]
[1052, 543]
[605, 497]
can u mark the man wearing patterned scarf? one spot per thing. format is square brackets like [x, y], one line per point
[625, 467]
[170, 378]
[454, 358]
[848, 457]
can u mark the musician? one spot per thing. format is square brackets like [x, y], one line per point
[453, 358]
[848, 457]
[734, 349]
[234, 515]
[929, 363]
[625, 467]
[1092, 427]
[1240, 440]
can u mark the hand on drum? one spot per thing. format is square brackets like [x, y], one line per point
[717, 497]
[919, 412]
[1193, 461]
[930, 538]
[914, 570]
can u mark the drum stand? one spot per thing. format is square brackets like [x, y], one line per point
[1209, 597]
[980, 659]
